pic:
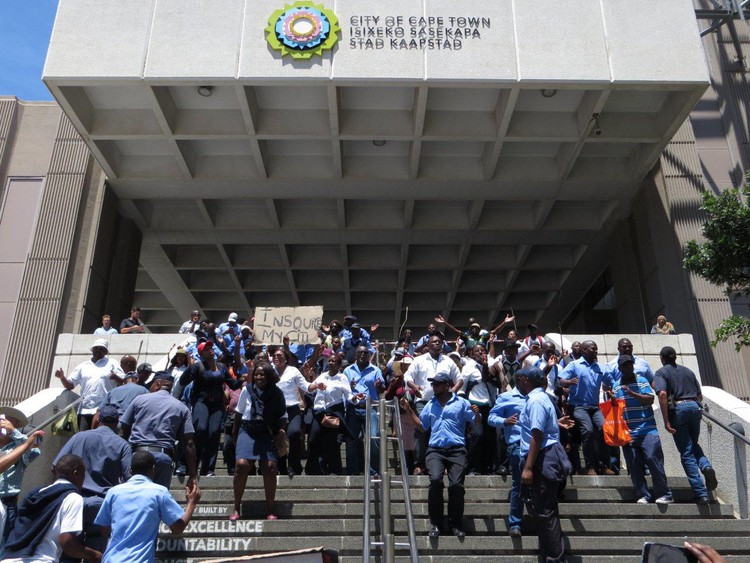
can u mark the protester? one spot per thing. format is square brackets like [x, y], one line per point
[50, 519]
[445, 417]
[504, 416]
[544, 461]
[96, 377]
[258, 433]
[17, 451]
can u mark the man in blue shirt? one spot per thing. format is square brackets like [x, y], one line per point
[365, 379]
[445, 416]
[504, 415]
[640, 366]
[106, 329]
[545, 463]
[645, 445]
[131, 513]
[584, 378]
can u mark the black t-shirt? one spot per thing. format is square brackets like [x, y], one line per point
[678, 381]
[127, 323]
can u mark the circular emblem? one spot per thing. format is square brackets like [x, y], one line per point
[302, 30]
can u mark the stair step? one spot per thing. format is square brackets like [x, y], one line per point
[500, 545]
[419, 494]
[221, 481]
[477, 525]
[316, 510]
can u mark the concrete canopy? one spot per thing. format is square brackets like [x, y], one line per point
[465, 181]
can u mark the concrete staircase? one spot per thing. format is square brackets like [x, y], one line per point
[599, 515]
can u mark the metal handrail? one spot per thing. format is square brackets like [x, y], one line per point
[729, 429]
[413, 552]
[58, 415]
[366, 517]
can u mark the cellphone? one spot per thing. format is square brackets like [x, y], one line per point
[664, 553]
[39, 440]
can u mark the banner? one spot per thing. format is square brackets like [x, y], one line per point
[300, 324]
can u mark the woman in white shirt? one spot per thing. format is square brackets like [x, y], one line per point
[332, 392]
[291, 382]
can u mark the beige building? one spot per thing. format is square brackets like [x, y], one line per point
[547, 163]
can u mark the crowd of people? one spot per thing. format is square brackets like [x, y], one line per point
[485, 402]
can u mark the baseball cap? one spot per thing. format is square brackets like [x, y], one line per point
[163, 375]
[109, 413]
[532, 374]
[145, 368]
[440, 377]
[624, 358]
[232, 318]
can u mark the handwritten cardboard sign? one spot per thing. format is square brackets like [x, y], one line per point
[300, 324]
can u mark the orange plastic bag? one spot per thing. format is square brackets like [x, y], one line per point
[616, 431]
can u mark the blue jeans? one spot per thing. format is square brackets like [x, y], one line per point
[355, 451]
[646, 450]
[515, 514]
[686, 420]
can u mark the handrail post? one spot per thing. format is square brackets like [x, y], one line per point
[366, 515]
[385, 487]
[413, 552]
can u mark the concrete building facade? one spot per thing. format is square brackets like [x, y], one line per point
[467, 159]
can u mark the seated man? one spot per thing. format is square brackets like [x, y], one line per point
[50, 519]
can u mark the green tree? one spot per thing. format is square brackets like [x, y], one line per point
[724, 257]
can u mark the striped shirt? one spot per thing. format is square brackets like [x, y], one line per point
[640, 417]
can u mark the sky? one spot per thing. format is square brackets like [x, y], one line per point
[25, 28]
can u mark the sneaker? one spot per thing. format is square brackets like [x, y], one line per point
[702, 500]
[666, 499]
[643, 500]
[459, 533]
[710, 475]
[181, 471]
[434, 532]
[210, 474]
[515, 531]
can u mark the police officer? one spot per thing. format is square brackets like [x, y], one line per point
[544, 461]
[445, 417]
[107, 458]
[154, 422]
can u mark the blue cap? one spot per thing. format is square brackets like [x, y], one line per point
[533, 374]
[109, 413]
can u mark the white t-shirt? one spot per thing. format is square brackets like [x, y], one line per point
[424, 367]
[69, 519]
[291, 380]
[95, 382]
[337, 391]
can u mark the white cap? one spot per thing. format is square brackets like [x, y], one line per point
[232, 318]
[101, 343]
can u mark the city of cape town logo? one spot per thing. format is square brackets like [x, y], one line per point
[302, 30]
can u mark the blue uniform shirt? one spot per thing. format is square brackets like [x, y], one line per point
[107, 458]
[363, 381]
[590, 377]
[133, 511]
[121, 397]
[157, 419]
[538, 414]
[447, 424]
[507, 404]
